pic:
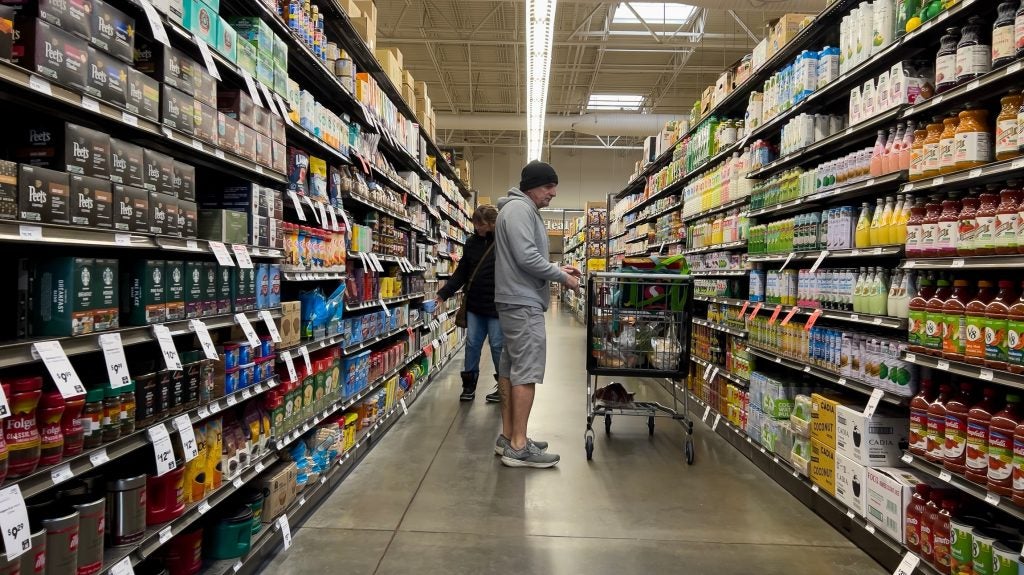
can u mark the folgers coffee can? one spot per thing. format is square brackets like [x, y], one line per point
[126, 510]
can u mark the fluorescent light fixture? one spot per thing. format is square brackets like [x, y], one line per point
[653, 13]
[619, 102]
[540, 27]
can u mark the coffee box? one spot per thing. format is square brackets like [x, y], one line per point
[51, 52]
[277, 128]
[247, 142]
[188, 216]
[66, 147]
[126, 160]
[172, 227]
[158, 223]
[238, 105]
[227, 133]
[298, 171]
[205, 123]
[201, 20]
[113, 31]
[106, 78]
[63, 297]
[226, 40]
[224, 289]
[143, 95]
[184, 181]
[210, 289]
[84, 196]
[259, 231]
[261, 120]
[158, 172]
[69, 15]
[7, 15]
[275, 286]
[166, 65]
[105, 295]
[103, 195]
[177, 110]
[174, 289]
[244, 196]
[264, 150]
[223, 226]
[43, 195]
[262, 286]
[8, 190]
[143, 293]
[279, 159]
[204, 86]
[131, 209]
[290, 324]
[195, 275]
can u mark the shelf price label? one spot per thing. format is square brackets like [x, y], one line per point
[170, 353]
[812, 320]
[117, 364]
[187, 436]
[286, 530]
[789, 258]
[757, 308]
[204, 50]
[334, 219]
[155, 23]
[268, 320]
[297, 205]
[163, 452]
[14, 522]
[284, 109]
[907, 566]
[305, 359]
[775, 314]
[268, 98]
[251, 85]
[59, 367]
[242, 255]
[718, 419]
[817, 262]
[205, 341]
[743, 310]
[286, 356]
[221, 252]
[247, 329]
[123, 567]
[876, 397]
[789, 316]
[707, 372]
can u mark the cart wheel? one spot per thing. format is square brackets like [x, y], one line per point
[688, 450]
[589, 441]
[608, 424]
[650, 425]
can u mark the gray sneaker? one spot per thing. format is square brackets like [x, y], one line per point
[529, 456]
[503, 442]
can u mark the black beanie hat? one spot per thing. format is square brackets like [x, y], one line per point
[537, 174]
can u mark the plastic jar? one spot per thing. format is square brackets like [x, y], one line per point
[111, 427]
[71, 425]
[973, 139]
[20, 431]
[1006, 127]
[92, 418]
[51, 436]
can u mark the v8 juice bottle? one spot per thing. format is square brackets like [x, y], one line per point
[1000, 446]
[954, 323]
[997, 323]
[935, 318]
[978, 422]
[937, 425]
[1015, 335]
[974, 334]
[918, 315]
[919, 415]
[956, 428]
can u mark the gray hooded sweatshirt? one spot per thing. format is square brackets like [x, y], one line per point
[522, 271]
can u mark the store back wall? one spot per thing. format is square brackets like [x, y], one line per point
[584, 175]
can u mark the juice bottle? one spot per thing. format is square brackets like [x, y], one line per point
[973, 139]
[878, 222]
[937, 425]
[918, 315]
[930, 227]
[919, 415]
[930, 167]
[954, 324]
[997, 323]
[936, 317]
[1018, 465]
[1019, 232]
[906, 150]
[862, 238]
[1018, 32]
[941, 534]
[1006, 220]
[1015, 335]
[948, 229]
[1003, 50]
[897, 226]
[974, 52]
[1000, 446]
[931, 513]
[892, 149]
[945, 61]
[956, 428]
[917, 157]
[974, 346]
[885, 236]
[1006, 127]
[878, 155]
[985, 240]
[947, 146]
[915, 229]
[978, 421]
[967, 226]
[915, 515]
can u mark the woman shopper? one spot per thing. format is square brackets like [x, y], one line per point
[475, 273]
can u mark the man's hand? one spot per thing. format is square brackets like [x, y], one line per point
[572, 282]
[572, 271]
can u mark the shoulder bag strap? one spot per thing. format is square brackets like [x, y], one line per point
[478, 264]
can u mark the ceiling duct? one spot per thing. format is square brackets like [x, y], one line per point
[603, 124]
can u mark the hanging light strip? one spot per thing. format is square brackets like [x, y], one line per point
[540, 26]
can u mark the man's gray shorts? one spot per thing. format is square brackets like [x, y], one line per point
[525, 351]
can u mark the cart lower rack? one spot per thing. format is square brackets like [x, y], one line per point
[638, 325]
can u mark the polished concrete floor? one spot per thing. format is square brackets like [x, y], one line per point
[433, 498]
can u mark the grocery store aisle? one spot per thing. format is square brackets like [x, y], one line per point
[433, 498]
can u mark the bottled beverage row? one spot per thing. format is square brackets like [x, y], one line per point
[980, 222]
[835, 228]
[868, 290]
[719, 229]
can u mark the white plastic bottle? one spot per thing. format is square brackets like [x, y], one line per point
[884, 25]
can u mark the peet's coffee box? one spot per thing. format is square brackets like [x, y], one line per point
[131, 209]
[105, 293]
[177, 110]
[205, 127]
[143, 95]
[172, 225]
[106, 78]
[210, 289]
[51, 52]
[126, 161]
[65, 147]
[63, 296]
[113, 31]
[74, 16]
[195, 289]
[184, 181]
[143, 293]
[158, 172]
[166, 65]
[174, 289]
[42, 195]
[90, 201]
[225, 289]
[159, 220]
[187, 217]
[8, 190]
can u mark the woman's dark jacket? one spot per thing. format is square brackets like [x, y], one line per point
[481, 292]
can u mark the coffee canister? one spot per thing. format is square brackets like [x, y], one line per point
[184, 553]
[126, 510]
[165, 499]
[61, 525]
[253, 499]
[231, 536]
[11, 566]
[33, 561]
[92, 516]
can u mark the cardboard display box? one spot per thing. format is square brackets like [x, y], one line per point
[874, 441]
[888, 493]
[823, 466]
[823, 418]
[851, 484]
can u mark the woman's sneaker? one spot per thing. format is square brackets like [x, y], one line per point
[529, 456]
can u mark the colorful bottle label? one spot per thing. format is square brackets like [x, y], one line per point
[973, 147]
[956, 436]
[1000, 454]
[916, 326]
[1006, 136]
[914, 232]
[973, 60]
[977, 445]
[1015, 341]
[929, 236]
[996, 347]
[1002, 42]
[930, 161]
[945, 69]
[936, 435]
[974, 337]
[986, 233]
[947, 152]
[953, 328]
[947, 235]
[933, 330]
[918, 430]
[968, 232]
[1006, 230]
[1018, 463]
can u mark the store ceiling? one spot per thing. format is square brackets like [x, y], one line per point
[470, 52]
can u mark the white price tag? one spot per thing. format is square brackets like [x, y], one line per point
[268, 98]
[123, 567]
[163, 337]
[945, 476]
[789, 258]
[130, 119]
[59, 367]
[204, 507]
[203, 412]
[942, 364]
[312, 207]
[90, 104]
[815, 488]
[1013, 68]
[869, 527]
[344, 218]
[334, 219]
[297, 205]
[123, 239]
[198, 145]
[156, 25]
[985, 374]
[707, 412]
[165, 534]
[242, 255]
[302, 500]
[714, 374]
[718, 419]
[992, 499]
[910, 561]
[286, 530]
[251, 85]
[40, 85]
[5, 409]
[204, 50]
[238, 483]
[405, 408]
[14, 522]
[284, 109]
[876, 396]
[387, 312]
[117, 364]
[236, 567]
[205, 341]
[260, 467]
[99, 457]
[162, 449]
[958, 263]
[305, 358]
[287, 357]
[247, 393]
[907, 458]
[61, 473]
[707, 372]
[187, 435]
[817, 262]
[247, 329]
[30, 232]
[975, 173]
[221, 252]
[323, 216]
[850, 513]
[938, 181]
[268, 320]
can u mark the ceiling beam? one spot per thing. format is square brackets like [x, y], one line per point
[642, 21]
[621, 44]
[743, 25]
[487, 18]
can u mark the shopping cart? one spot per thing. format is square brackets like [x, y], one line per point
[638, 325]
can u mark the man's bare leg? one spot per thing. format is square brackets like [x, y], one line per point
[504, 390]
[522, 404]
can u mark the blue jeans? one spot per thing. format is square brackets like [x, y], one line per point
[478, 328]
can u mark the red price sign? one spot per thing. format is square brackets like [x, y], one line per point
[775, 314]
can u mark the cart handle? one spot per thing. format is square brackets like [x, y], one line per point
[641, 276]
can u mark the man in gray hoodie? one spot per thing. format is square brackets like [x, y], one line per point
[522, 292]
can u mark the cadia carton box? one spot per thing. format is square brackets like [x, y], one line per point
[105, 295]
[874, 441]
[43, 195]
[851, 483]
[278, 486]
[823, 466]
[143, 293]
[63, 297]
